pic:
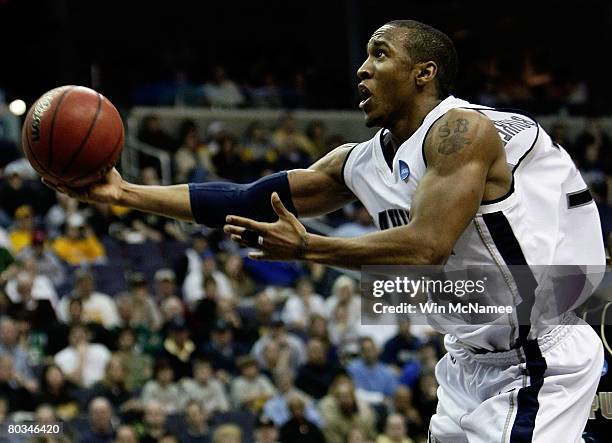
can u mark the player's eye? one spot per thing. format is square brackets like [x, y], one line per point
[378, 53]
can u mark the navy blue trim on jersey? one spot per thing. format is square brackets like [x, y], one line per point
[579, 198]
[383, 148]
[510, 250]
[502, 198]
[527, 397]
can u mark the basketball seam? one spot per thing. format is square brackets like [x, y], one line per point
[116, 146]
[84, 142]
[36, 160]
[55, 111]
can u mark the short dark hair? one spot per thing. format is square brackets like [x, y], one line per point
[425, 43]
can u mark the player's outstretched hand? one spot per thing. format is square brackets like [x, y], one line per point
[285, 239]
[107, 190]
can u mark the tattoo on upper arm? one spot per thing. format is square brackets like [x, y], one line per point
[451, 135]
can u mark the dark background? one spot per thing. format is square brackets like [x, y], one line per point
[120, 47]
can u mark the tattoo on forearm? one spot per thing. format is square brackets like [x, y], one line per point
[452, 140]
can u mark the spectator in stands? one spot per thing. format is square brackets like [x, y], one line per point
[360, 224]
[138, 365]
[58, 392]
[9, 345]
[178, 349]
[250, 389]
[427, 398]
[316, 132]
[13, 388]
[192, 160]
[301, 305]
[45, 416]
[32, 296]
[6, 257]
[277, 408]
[401, 348]
[153, 426]
[286, 342]
[165, 285]
[265, 430]
[343, 294]
[291, 142]
[403, 405]
[299, 428]
[153, 134]
[79, 244]
[201, 268]
[228, 161]
[370, 375]
[47, 263]
[145, 312]
[258, 149]
[15, 190]
[241, 282]
[560, 136]
[162, 388]
[342, 411]
[204, 388]
[101, 428]
[267, 93]
[222, 92]
[83, 362]
[20, 234]
[196, 429]
[126, 434]
[58, 213]
[275, 359]
[593, 151]
[222, 350]
[426, 360]
[114, 388]
[227, 433]
[395, 431]
[98, 308]
[315, 377]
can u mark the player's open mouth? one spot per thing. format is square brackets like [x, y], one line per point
[365, 94]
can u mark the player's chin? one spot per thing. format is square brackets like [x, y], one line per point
[373, 120]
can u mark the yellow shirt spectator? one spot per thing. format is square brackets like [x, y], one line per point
[78, 245]
[21, 232]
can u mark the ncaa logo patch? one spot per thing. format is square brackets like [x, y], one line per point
[404, 170]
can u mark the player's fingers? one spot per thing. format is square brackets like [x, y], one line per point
[245, 222]
[231, 229]
[239, 240]
[278, 206]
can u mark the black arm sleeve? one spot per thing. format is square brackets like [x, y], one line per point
[212, 202]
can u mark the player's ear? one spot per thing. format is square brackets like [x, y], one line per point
[426, 72]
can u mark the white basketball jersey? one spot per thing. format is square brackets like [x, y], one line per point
[547, 218]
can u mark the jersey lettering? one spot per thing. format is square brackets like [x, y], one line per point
[392, 218]
[510, 127]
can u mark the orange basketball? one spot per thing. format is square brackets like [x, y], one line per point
[72, 135]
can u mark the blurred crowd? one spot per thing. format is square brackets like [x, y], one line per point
[129, 327]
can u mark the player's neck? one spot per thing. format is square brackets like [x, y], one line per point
[403, 129]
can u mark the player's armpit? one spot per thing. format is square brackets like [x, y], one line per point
[320, 189]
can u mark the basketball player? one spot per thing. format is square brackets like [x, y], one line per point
[449, 183]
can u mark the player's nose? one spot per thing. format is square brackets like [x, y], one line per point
[365, 70]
